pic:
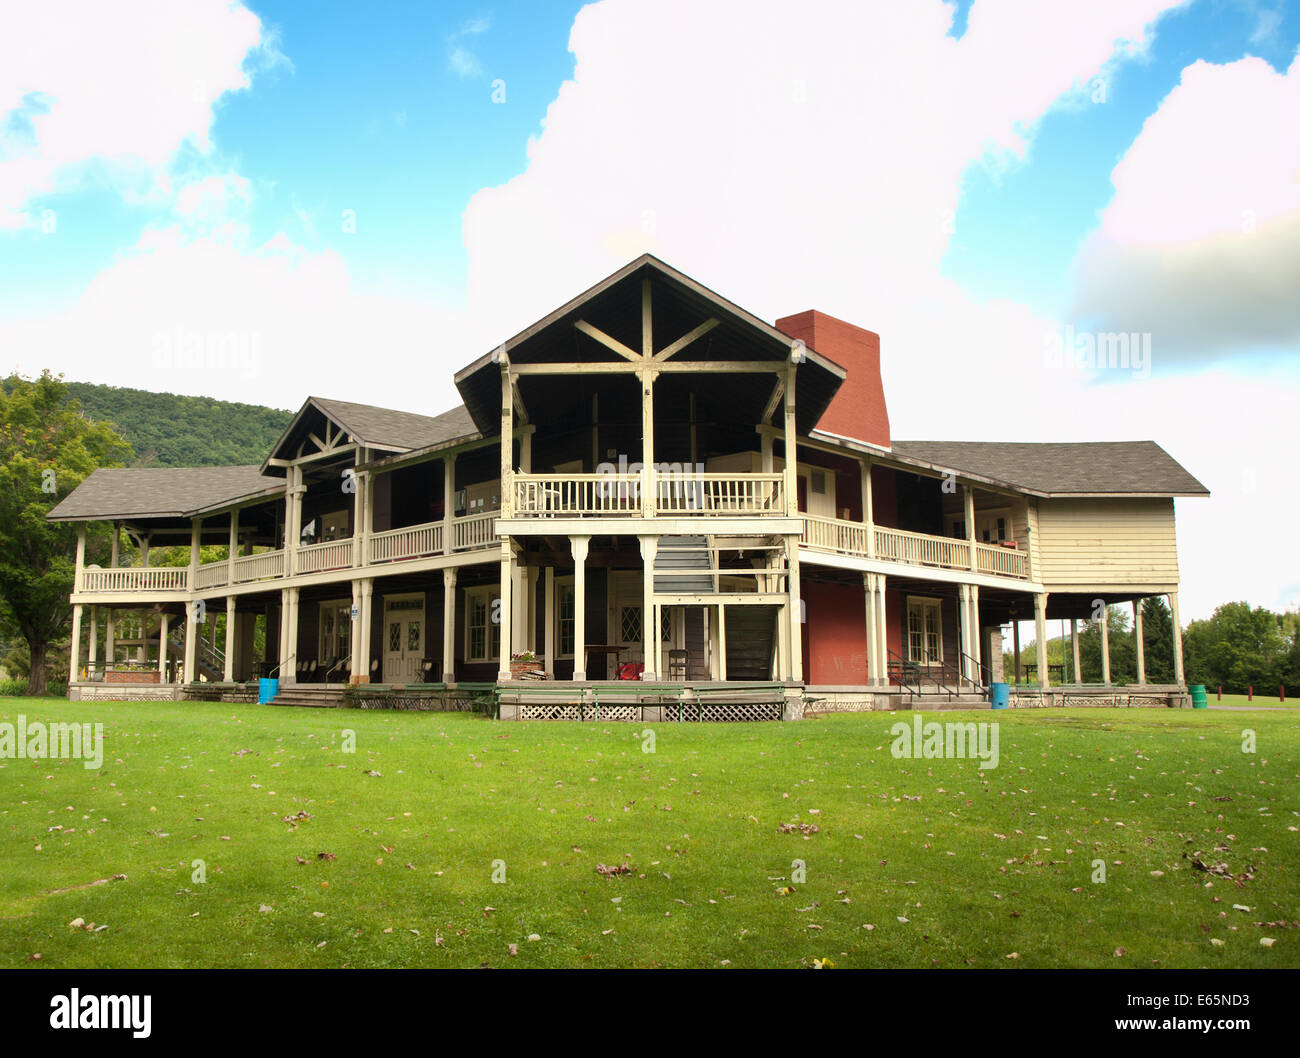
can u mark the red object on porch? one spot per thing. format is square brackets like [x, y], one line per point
[630, 670]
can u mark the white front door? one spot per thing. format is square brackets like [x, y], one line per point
[403, 639]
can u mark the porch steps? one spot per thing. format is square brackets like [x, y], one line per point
[934, 703]
[684, 553]
[312, 696]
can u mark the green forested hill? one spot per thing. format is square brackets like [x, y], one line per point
[168, 430]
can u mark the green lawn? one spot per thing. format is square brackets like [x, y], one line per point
[951, 865]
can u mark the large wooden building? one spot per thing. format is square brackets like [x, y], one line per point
[661, 502]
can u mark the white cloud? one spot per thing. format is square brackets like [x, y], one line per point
[118, 96]
[460, 59]
[1200, 245]
[787, 162]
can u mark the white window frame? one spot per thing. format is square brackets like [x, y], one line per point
[491, 593]
[923, 603]
[345, 605]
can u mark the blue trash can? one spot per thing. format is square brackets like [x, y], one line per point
[266, 690]
[1000, 695]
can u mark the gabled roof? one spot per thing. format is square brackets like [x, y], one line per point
[614, 304]
[1080, 468]
[160, 492]
[374, 427]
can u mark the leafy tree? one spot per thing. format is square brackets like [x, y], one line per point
[1237, 648]
[47, 447]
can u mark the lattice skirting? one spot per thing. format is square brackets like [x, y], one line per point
[716, 713]
[1115, 700]
[840, 704]
[124, 692]
[422, 703]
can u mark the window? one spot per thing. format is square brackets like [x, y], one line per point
[482, 624]
[334, 526]
[817, 480]
[335, 630]
[924, 632]
[629, 624]
[564, 619]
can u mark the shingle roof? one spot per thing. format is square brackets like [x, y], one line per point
[159, 492]
[1063, 468]
[384, 428]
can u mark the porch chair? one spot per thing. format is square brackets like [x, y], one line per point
[430, 670]
[678, 664]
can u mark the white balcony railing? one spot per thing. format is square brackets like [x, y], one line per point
[412, 541]
[133, 579]
[721, 494]
[1001, 561]
[318, 558]
[576, 495]
[265, 566]
[476, 530]
[212, 575]
[835, 534]
[918, 549]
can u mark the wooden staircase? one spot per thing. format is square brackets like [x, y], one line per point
[751, 640]
[311, 695]
[684, 553]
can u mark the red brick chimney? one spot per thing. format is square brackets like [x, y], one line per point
[858, 408]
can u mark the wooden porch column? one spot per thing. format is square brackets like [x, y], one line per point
[579, 546]
[114, 555]
[367, 613]
[791, 458]
[882, 632]
[507, 453]
[977, 645]
[191, 641]
[229, 674]
[1074, 642]
[548, 606]
[449, 624]
[93, 649]
[448, 502]
[649, 488]
[232, 546]
[196, 531]
[1105, 645]
[649, 633]
[1178, 638]
[868, 508]
[80, 565]
[722, 642]
[355, 667]
[1015, 648]
[110, 636]
[508, 605]
[869, 598]
[795, 591]
[360, 531]
[1138, 645]
[162, 642]
[963, 631]
[294, 489]
[74, 654]
[969, 515]
[767, 462]
[1040, 638]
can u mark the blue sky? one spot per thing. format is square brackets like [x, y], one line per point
[947, 175]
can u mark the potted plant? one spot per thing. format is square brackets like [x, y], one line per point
[524, 662]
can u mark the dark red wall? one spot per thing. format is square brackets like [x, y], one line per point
[834, 634]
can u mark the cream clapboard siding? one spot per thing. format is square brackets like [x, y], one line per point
[1104, 542]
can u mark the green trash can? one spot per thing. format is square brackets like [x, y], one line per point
[1198, 696]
